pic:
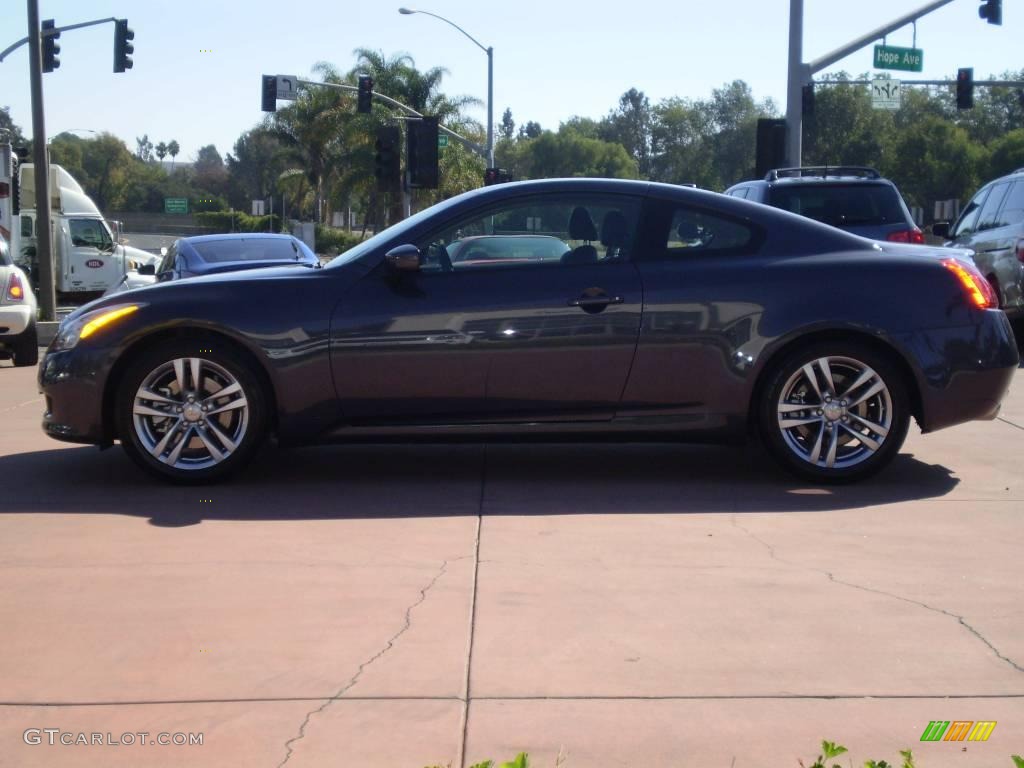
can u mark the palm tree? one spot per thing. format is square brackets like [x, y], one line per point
[173, 148]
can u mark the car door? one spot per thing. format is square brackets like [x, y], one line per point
[1004, 244]
[92, 264]
[524, 310]
[701, 311]
[990, 241]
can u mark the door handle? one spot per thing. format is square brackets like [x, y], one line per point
[595, 302]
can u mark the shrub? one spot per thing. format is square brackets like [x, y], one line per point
[333, 241]
[226, 221]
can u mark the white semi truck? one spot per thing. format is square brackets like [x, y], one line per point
[88, 257]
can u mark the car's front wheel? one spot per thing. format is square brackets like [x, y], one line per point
[190, 412]
[834, 412]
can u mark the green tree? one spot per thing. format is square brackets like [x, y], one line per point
[161, 151]
[935, 160]
[631, 126]
[173, 148]
[144, 148]
[566, 153]
[680, 137]
[9, 131]
[507, 129]
[1007, 154]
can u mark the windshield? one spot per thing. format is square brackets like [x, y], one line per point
[841, 205]
[391, 232]
[250, 249]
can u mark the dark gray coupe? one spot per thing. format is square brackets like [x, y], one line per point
[665, 313]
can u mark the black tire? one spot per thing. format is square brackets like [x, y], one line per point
[806, 439]
[26, 348]
[244, 427]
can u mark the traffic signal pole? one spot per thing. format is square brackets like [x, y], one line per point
[800, 73]
[44, 240]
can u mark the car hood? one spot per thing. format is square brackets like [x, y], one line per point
[141, 256]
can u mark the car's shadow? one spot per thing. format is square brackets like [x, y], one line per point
[443, 480]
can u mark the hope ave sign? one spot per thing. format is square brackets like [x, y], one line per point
[892, 57]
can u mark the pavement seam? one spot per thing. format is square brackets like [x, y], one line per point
[464, 724]
[832, 578]
[406, 625]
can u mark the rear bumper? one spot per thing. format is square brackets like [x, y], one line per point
[14, 320]
[964, 373]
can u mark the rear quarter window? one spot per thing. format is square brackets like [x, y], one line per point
[1013, 207]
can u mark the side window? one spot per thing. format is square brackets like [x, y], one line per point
[741, 192]
[1013, 206]
[547, 230]
[969, 216]
[987, 217]
[90, 233]
[694, 231]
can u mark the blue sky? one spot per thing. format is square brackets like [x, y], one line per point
[197, 64]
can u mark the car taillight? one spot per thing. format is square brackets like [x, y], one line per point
[15, 290]
[978, 289]
[914, 236]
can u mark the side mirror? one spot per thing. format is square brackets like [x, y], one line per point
[164, 276]
[147, 269]
[941, 229]
[404, 258]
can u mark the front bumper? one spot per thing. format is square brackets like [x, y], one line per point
[73, 383]
[963, 373]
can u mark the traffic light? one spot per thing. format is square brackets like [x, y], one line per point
[422, 153]
[123, 49]
[807, 99]
[770, 150]
[965, 88]
[50, 47]
[496, 176]
[365, 94]
[992, 11]
[269, 93]
[386, 162]
[20, 156]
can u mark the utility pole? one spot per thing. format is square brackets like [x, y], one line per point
[44, 240]
[800, 73]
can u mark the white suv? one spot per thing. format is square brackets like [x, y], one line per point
[18, 337]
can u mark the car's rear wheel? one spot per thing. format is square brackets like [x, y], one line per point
[26, 348]
[190, 413]
[834, 412]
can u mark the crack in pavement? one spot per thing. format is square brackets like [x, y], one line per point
[833, 579]
[406, 625]
[1007, 421]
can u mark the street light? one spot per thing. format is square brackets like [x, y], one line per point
[490, 77]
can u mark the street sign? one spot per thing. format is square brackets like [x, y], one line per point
[885, 94]
[286, 87]
[904, 59]
[175, 205]
[442, 140]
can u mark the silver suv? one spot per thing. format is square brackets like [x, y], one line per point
[992, 225]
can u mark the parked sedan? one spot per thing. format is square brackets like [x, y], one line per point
[18, 337]
[210, 254]
[678, 314]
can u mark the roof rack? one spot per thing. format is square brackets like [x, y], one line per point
[823, 171]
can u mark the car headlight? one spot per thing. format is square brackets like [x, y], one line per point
[84, 326]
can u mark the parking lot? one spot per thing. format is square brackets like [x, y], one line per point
[641, 605]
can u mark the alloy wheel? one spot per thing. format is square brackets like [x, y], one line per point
[190, 413]
[835, 412]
